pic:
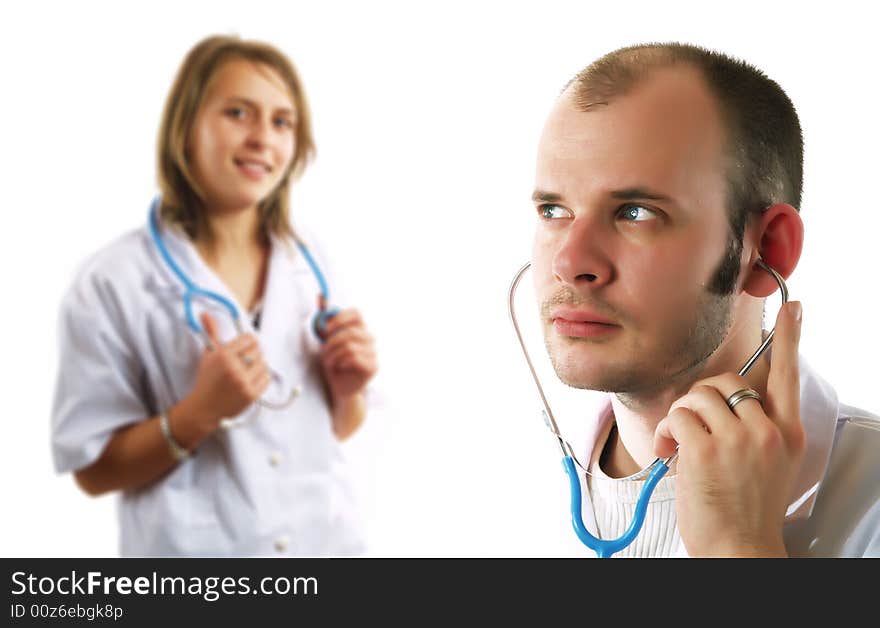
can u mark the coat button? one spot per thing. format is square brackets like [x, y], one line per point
[275, 458]
[282, 542]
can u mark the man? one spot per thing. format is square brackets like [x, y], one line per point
[665, 172]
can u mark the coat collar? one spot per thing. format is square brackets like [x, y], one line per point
[287, 266]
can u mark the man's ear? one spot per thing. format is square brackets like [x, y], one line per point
[781, 237]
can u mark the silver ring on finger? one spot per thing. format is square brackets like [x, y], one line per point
[740, 395]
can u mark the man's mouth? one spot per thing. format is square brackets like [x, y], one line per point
[581, 323]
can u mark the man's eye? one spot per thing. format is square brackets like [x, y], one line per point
[636, 213]
[549, 212]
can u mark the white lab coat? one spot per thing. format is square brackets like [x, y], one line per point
[834, 509]
[276, 486]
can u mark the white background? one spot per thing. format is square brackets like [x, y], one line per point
[426, 119]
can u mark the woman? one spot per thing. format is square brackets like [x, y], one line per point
[218, 423]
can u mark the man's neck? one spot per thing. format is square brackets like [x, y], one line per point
[631, 448]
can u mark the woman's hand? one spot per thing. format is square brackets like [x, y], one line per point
[230, 377]
[348, 361]
[348, 355]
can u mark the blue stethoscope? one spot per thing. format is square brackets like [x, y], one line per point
[319, 320]
[653, 472]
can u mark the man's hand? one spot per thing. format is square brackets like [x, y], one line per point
[736, 468]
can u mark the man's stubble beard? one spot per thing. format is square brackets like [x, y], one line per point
[681, 356]
[677, 361]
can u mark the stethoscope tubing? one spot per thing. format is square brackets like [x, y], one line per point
[654, 472]
[192, 290]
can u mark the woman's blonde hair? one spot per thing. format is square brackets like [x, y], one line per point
[182, 200]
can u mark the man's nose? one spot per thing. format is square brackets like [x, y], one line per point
[581, 259]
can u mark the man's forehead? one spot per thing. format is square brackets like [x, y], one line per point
[666, 123]
[676, 97]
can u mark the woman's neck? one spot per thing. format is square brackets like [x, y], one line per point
[238, 252]
[231, 234]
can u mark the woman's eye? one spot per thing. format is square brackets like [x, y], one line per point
[636, 213]
[284, 123]
[550, 212]
[236, 112]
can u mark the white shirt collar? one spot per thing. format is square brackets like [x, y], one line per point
[819, 412]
